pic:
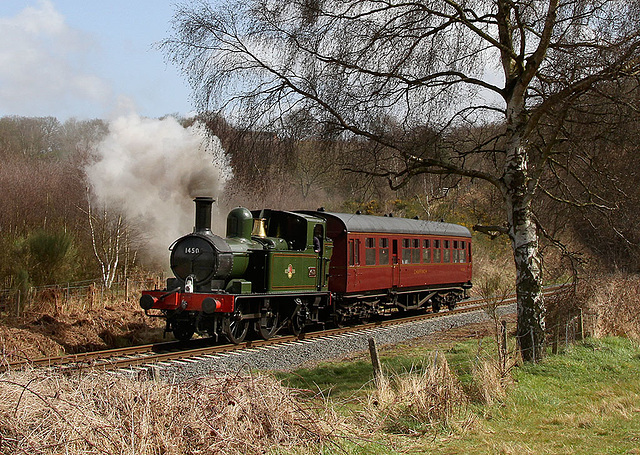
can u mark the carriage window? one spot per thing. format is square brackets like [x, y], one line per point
[455, 255]
[455, 244]
[436, 254]
[406, 251]
[415, 251]
[384, 251]
[446, 252]
[462, 257]
[370, 251]
[354, 252]
[426, 250]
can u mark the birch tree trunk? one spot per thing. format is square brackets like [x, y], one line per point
[520, 182]
[524, 241]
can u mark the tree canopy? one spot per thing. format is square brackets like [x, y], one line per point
[410, 78]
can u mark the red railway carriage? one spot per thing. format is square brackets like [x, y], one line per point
[389, 262]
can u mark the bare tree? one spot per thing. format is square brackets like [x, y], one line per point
[379, 71]
[109, 238]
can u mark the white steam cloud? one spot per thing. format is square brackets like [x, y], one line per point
[152, 169]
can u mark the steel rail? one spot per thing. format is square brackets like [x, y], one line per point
[132, 356]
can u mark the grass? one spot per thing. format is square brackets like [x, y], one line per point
[104, 414]
[584, 401]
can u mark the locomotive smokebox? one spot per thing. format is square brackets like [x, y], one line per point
[203, 214]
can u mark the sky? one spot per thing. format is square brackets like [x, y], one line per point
[88, 59]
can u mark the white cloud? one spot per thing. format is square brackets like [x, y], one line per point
[43, 65]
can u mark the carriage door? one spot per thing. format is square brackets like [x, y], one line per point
[395, 273]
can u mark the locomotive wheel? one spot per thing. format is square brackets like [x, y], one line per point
[270, 326]
[296, 325]
[435, 306]
[235, 328]
[183, 330]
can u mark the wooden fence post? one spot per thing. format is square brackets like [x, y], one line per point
[375, 360]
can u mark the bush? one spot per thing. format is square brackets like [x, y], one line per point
[44, 258]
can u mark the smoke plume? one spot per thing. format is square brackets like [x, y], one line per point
[150, 170]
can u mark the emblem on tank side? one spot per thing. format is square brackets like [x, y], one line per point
[290, 271]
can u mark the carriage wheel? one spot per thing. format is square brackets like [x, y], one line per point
[339, 319]
[267, 325]
[235, 328]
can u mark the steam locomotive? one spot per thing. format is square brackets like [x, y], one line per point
[279, 270]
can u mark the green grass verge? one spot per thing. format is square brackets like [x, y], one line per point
[585, 400]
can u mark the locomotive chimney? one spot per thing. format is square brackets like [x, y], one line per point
[203, 214]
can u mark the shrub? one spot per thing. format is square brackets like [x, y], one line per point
[44, 258]
[610, 305]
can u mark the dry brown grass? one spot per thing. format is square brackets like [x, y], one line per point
[610, 305]
[490, 381]
[19, 344]
[103, 414]
[417, 402]
[70, 322]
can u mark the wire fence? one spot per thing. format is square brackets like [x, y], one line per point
[561, 332]
[84, 294]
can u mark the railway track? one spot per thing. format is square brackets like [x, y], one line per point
[196, 350]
